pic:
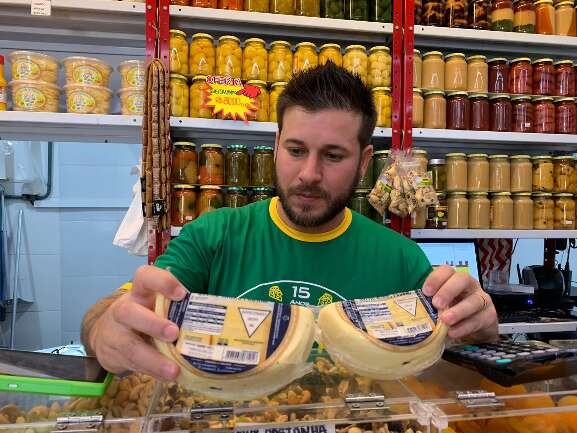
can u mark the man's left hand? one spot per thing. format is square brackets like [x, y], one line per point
[463, 305]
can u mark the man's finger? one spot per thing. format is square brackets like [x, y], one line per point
[149, 280]
[458, 284]
[139, 318]
[468, 307]
[436, 279]
[468, 326]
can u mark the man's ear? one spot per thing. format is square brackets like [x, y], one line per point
[366, 156]
[276, 141]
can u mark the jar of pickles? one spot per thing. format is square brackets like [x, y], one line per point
[383, 106]
[356, 61]
[479, 211]
[256, 5]
[210, 199]
[543, 211]
[501, 16]
[564, 212]
[480, 112]
[544, 115]
[367, 179]
[237, 165]
[564, 78]
[433, 75]
[179, 95]
[458, 207]
[435, 110]
[211, 167]
[521, 173]
[276, 90]
[305, 57]
[501, 211]
[565, 116]
[262, 101]
[437, 215]
[498, 75]
[254, 60]
[418, 108]
[455, 72]
[522, 113]
[545, 17]
[331, 52]
[438, 170]
[432, 13]
[229, 56]
[521, 76]
[262, 166]
[418, 69]
[458, 111]
[236, 196]
[183, 204]
[360, 203]
[202, 55]
[565, 19]
[261, 193]
[499, 173]
[524, 16]
[500, 113]
[380, 158]
[178, 52]
[543, 180]
[478, 14]
[456, 168]
[308, 8]
[455, 13]
[477, 74]
[380, 67]
[563, 173]
[333, 9]
[285, 7]
[478, 172]
[522, 211]
[184, 163]
[198, 98]
[381, 11]
[357, 10]
[543, 77]
[280, 62]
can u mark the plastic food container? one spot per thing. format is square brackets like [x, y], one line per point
[86, 70]
[28, 95]
[132, 73]
[87, 99]
[131, 100]
[27, 65]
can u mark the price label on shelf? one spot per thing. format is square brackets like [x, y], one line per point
[41, 7]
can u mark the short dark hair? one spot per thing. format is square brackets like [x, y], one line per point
[330, 86]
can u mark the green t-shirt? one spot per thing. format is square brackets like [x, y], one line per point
[250, 253]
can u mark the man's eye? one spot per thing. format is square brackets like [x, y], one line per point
[335, 157]
[295, 151]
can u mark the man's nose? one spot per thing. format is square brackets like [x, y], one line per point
[311, 170]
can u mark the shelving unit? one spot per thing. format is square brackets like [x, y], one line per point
[492, 234]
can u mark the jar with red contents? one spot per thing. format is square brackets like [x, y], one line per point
[565, 116]
[458, 110]
[498, 75]
[564, 78]
[521, 76]
[522, 114]
[500, 113]
[543, 77]
[479, 108]
[544, 115]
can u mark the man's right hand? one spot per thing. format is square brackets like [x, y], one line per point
[122, 336]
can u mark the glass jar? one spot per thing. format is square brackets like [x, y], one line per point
[478, 14]
[237, 165]
[202, 55]
[198, 98]
[565, 19]
[382, 99]
[280, 62]
[522, 211]
[524, 16]
[477, 74]
[501, 15]
[183, 204]
[565, 116]
[333, 9]
[204, 3]
[229, 56]
[261, 193]
[544, 115]
[210, 199]
[380, 67]
[285, 7]
[455, 13]
[211, 166]
[366, 181]
[179, 95]
[435, 110]
[564, 212]
[262, 166]
[437, 217]
[418, 69]
[254, 60]
[543, 211]
[418, 8]
[499, 173]
[501, 211]
[357, 10]
[522, 114]
[184, 162]
[433, 75]
[564, 78]
[331, 52]
[419, 218]
[432, 14]
[455, 72]
[356, 61]
[275, 92]
[521, 76]
[458, 208]
[521, 173]
[456, 168]
[545, 17]
[308, 8]
[498, 75]
[477, 172]
[480, 113]
[178, 52]
[438, 170]
[256, 5]
[479, 211]
[458, 111]
[543, 179]
[360, 203]
[262, 101]
[381, 11]
[543, 77]
[418, 108]
[236, 197]
[420, 156]
[380, 158]
[563, 172]
[500, 113]
[305, 57]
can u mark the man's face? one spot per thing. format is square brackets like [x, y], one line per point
[318, 163]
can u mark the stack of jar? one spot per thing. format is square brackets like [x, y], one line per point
[87, 85]
[132, 81]
[212, 169]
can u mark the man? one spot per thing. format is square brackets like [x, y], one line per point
[304, 246]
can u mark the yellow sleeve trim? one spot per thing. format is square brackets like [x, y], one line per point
[308, 237]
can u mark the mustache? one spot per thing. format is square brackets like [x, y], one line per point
[309, 190]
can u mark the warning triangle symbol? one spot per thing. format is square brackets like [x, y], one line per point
[252, 319]
[409, 305]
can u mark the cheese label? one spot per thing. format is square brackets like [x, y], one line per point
[225, 336]
[402, 320]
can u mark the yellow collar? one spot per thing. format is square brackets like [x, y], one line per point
[308, 237]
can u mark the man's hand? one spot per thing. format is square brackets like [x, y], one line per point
[121, 336]
[464, 306]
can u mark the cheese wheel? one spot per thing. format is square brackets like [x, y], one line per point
[236, 349]
[383, 338]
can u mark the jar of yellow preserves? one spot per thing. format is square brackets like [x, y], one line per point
[184, 163]
[380, 67]
[202, 55]
[280, 62]
[382, 98]
[331, 52]
[178, 52]
[199, 97]
[256, 5]
[564, 212]
[523, 211]
[502, 211]
[285, 7]
[308, 8]
[179, 95]
[305, 57]
[276, 90]
[254, 60]
[262, 101]
[356, 61]
[229, 57]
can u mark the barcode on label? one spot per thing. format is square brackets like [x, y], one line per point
[419, 329]
[250, 357]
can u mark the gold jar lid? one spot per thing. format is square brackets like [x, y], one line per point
[381, 89]
[448, 56]
[278, 84]
[521, 59]
[520, 157]
[563, 194]
[479, 95]
[521, 194]
[381, 152]
[520, 98]
[255, 40]
[415, 51]
[417, 90]
[435, 92]
[281, 43]
[478, 155]
[501, 194]
[177, 32]
[419, 152]
[455, 155]
[499, 157]
[567, 3]
[183, 143]
[564, 99]
[458, 193]
[178, 77]
[211, 146]
[543, 99]
[545, 60]
[433, 53]
[229, 38]
[458, 93]
[499, 96]
[542, 194]
[202, 36]
[543, 2]
[380, 48]
[214, 187]
[535, 158]
[258, 83]
[306, 44]
[199, 78]
[356, 47]
[498, 59]
[564, 158]
[337, 46]
[563, 62]
[480, 194]
[362, 191]
[477, 57]
[183, 186]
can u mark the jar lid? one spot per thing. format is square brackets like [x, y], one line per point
[520, 157]
[504, 194]
[455, 154]
[417, 90]
[331, 46]
[203, 36]
[237, 147]
[236, 189]
[521, 98]
[543, 2]
[563, 157]
[381, 152]
[563, 62]
[478, 155]
[381, 89]
[543, 99]
[380, 48]
[498, 156]
[257, 40]
[362, 190]
[199, 78]
[499, 96]
[458, 93]
[563, 194]
[178, 77]
[306, 44]
[229, 38]
[434, 92]
[211, 146]
[177, 32]
[476, 57]
[483, 194]
[264, 148]
[356, 47]
[183, 143]
[521, 59]
[566, 99]
[433, 53]
[283, 43]
[542, 194]
[478, 95]
[183, 186]
[566, 3]
[498, 59]
[439, 161]
[454, 55]
[419, 152]
[415, 51]
[458, 193]
[535, 158]
[441, 194]
[278, 84]
[544, 60]
[521, 194]
[258, 83]
[210, 187]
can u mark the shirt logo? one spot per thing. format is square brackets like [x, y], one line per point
[292, 292]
